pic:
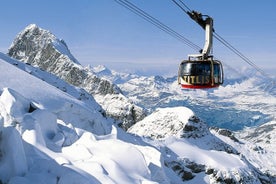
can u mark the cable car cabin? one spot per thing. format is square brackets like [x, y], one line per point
[200, 74]
[202, 71]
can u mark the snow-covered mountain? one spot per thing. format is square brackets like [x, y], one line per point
[240, 102]
[55, 132]
[41, 48]
[246, 103]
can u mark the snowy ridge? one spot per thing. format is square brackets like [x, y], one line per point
[39, 38]
[191, 149]
[262, 141]
[53, 80]
[180, 125]
[56, 100]
[111, 75]
[42, 49]
[54, 132]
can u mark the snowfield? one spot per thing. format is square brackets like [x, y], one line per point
[52, 132]
[51, 137]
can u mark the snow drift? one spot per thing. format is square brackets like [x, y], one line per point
[52, 137]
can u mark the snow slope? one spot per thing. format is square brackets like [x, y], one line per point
[50, 136]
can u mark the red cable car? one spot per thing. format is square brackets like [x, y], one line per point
[200, 74]
[201, 71]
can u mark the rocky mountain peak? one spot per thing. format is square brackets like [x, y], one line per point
[43, 49]
[33, 40]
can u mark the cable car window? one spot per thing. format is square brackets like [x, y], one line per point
[203, 69]
[216, 70]
[185, 69]
[197, 68]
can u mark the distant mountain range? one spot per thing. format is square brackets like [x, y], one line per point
[240, 102]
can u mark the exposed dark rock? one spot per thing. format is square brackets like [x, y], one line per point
[226, 133]
[180, 169]
[32, 108]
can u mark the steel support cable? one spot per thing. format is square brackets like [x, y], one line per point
[185, 5]
[157, 23]
[238, 53]
[181, 7]
[266, 87]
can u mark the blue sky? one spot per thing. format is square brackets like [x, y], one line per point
[103, 32]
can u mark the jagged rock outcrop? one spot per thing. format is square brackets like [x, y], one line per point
[42, 49]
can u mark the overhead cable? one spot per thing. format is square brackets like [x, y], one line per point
[238, 53]
[157, 23]
[161, 25]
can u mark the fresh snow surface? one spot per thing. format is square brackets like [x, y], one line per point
[50, 135]
[63, 140]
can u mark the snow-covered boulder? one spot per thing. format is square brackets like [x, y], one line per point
[41, 48]
[28, 137]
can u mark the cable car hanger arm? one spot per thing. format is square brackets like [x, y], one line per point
[207, 25]
[198, 18]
